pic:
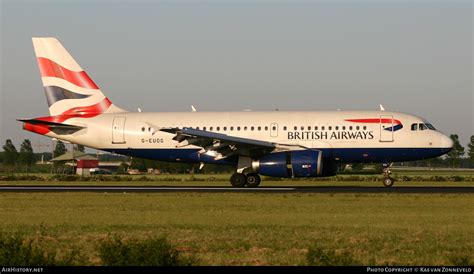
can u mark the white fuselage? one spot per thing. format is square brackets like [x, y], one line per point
[326, 130]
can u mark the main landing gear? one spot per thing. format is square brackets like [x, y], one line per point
[387, 180]
[245, 180]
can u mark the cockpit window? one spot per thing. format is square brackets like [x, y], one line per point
[422, 126]
[430, 126]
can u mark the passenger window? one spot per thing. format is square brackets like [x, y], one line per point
[231, 128]
[245, 128]
[414, 127]
[295, 128]
[302, 127]
[365, 127]
[337, 128]
[274, 128]
[284, 128]
[218, 128]
[143, 128]
[329, 127]
[357, 127]
[210, 128]
[316, 128]
[309, 127]
[238, 128]
[350, 127]
[225, 128]
[259, 128]
[322, 128]
[343, 127]
[204, 128]
[266, 128]
[252, 128]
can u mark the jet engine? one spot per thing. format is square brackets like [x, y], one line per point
[290, 164]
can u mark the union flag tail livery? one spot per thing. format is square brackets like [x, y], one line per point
[272, 143]
[68, 88]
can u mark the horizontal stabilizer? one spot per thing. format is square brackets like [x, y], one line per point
[58, 128]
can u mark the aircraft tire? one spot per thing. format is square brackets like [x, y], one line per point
[388, 182]
[253, 180]
[238, 180]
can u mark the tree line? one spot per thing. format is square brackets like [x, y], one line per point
[12, 160]
[25, 160]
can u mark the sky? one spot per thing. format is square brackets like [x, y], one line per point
[410, 56]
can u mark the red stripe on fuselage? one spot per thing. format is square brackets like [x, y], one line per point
[374, 121]
[50, 68]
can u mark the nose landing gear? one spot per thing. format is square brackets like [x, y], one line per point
[387, 180]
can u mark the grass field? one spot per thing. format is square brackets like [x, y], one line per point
[444, 177]
[255, 229]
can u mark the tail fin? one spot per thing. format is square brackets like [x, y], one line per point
[69, 90]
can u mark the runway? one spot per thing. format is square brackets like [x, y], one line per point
[211, 189]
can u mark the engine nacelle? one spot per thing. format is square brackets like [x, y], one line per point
[298, 163]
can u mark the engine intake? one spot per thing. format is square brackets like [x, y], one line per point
[290, 164]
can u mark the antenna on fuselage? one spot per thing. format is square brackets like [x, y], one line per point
[139, 110]
[381, 107]
[193, 108]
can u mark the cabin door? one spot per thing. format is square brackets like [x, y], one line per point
[118, 130]
[386, 128]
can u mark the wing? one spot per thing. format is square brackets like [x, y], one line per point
[220, 145]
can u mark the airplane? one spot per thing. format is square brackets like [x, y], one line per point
[288, 144]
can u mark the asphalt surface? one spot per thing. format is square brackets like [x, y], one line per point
[204, 189]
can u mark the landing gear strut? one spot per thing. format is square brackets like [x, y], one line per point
[387, 180]
[242, 180]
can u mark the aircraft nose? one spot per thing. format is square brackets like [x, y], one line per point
[446, 143]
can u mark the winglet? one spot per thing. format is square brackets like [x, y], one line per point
[381, 107]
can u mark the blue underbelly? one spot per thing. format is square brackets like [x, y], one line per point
[382, 155]
[346, 155]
